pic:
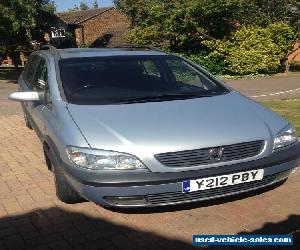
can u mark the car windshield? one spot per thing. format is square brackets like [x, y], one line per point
[129, 79]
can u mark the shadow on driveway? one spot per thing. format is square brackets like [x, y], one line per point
[289, 226]
[56, 228]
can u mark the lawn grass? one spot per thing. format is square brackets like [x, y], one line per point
[289, 109]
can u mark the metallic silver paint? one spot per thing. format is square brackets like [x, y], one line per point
[146, 129]
[24, 96]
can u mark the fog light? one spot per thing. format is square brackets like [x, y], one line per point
[126, 200]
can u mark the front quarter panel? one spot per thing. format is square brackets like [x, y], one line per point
[271, 119]
[60, 128]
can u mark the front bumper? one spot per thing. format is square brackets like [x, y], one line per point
[159, 189]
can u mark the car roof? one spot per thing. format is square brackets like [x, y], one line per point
[99, 52]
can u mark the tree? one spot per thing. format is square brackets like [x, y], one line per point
[83, 6]
[23, 20]
[95, 4]
[185, 23]
[45, 18]
[189, 26]
[263, 50]
[133, 9]
[75, 8]
[181, 24]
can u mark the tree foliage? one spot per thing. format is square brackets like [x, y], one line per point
[259, 50]
[191, 27]
[84, 6]
[95, 4]
[21, 21]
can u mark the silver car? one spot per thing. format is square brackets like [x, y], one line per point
[135, 126]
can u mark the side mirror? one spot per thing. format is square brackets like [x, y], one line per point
[24, 96]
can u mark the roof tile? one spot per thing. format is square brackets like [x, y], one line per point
[80, 16]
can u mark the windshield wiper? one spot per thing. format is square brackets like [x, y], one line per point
[173, 96]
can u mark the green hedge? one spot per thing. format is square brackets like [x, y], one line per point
[213, 62]
[255, 50]
[295, 66]
[250, 51]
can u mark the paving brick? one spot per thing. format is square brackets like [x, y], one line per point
[7, 231]
[28, 231]
[84, 226]
[96, 245]
[44, 247]
[60, 245]
[14, 242]
[45, 240]
[122, 242]
[24, 199]
[73, 236]
[19, 221]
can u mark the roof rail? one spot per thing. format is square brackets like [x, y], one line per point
[137, 46]
[50, 48]
[47, 47]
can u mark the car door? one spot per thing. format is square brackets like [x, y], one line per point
[39, 83]
[26, 84]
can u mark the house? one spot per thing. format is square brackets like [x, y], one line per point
[295, 55]
[101, 27]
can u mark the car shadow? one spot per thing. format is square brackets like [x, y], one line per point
[290, 226]
[56, 228]
[193, 205]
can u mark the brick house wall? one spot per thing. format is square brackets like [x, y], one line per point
[295, 56]
[101, 27]
[111, 23]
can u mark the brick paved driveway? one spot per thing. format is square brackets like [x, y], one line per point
[32, 217]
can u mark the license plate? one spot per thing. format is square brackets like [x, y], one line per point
[222, 180]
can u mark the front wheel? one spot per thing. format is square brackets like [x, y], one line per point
[64, 191]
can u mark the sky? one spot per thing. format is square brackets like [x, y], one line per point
[63, 5]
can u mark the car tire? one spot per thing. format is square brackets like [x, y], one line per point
[64, 191]
[27, 123]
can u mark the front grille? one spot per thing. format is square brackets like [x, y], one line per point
[203, 156]
[179, 197]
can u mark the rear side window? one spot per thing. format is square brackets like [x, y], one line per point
[150, 68]
[184, 73]
[40, 79]
[30, 70]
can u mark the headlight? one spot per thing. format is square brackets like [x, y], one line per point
[95, 159]
[285, 137]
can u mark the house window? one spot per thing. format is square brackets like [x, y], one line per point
[57, 32]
